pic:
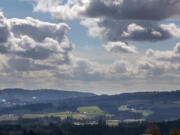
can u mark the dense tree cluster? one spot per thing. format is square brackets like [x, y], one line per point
[53, 126]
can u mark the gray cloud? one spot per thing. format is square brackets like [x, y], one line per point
[36, 53]
[115, 16]
[119, 30]
[151, 69]
[26, 65]
[4, 34]
[133, 9]
[38, 30]
[3, 49]
[114, 9]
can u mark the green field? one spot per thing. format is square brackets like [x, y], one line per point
[124, 108]
[61, 115]
[82, 113]
[145, 113]
[90, 110]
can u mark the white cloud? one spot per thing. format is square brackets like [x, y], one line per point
[94, 29]
[120, 47]
[172, 29]
[131, 29]
[156, 33]
[60, 9]
[40, 52]
[37, 52]
[39, 45]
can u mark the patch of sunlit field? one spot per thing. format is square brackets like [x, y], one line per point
[144, 113]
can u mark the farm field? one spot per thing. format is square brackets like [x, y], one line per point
[145, 113]
[82, 112]
[61, 115]
[86, 112]
[124, 108]
[91, 110]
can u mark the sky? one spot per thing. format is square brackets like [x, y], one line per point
[98, 46]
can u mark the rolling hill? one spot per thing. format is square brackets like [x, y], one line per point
[152, 106]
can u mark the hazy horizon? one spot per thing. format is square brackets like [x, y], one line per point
[96, 92]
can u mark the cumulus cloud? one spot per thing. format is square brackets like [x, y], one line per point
[134, 9]
[133, 28]
[124, 30]
[61, 9]
[116, 9]
[31, 49]
[172, 57]
[31, 44]
[117, 20]
[159, 64]
[120, 47]
[37, 30]
[172, 29]
[154, 65]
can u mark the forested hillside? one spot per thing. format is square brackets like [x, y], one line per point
[152, 106]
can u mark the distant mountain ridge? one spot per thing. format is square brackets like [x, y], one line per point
[138, 105]
[44, 90]
[42, 95]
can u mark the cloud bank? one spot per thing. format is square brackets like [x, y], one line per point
[40, 53]
[117, 20]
